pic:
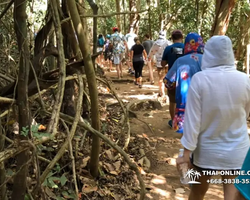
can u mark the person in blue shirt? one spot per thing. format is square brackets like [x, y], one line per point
[242, 182]
[170, 54]
[180, 75]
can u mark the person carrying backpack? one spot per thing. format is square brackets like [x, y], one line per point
[156, 52]
[119, 45]
[108, 51]
[170, 55]
[100, 44]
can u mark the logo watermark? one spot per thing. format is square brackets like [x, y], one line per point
[192, 175]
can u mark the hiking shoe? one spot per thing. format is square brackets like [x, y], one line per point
[170, 123]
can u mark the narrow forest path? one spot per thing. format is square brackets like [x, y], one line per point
[162, 177]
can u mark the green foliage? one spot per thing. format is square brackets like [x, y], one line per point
[25, 131]
[58, 183]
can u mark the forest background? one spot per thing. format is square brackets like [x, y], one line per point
[50, 84]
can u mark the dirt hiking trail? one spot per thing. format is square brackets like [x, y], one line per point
[161, 178]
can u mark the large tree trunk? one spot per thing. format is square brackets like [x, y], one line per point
[95, 8]
[118, 17]
[202, 17]
[149, 19]
[222, 16]
[20, 17]
[91, 79]
[134, 17]
[243, 37]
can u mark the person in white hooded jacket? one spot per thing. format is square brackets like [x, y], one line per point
[215, 127]
[156, 52]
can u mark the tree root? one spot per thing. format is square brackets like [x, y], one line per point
[131, 164]
[146, 161]
[124, 109]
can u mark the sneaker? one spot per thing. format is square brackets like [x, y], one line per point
[132, 72]
[170, 123]
[129, 70]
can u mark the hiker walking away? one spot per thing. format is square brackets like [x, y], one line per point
[156, 51]
[108, 52]
[137, 53]
[180, 74]
[100, 44]
[147, 44]
[215, 127]
[119, 44]
[130, 42]
[170, 55]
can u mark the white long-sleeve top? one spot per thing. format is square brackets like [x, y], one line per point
[218, 104]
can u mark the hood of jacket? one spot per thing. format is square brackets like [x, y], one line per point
[218, 52]
[160, 42]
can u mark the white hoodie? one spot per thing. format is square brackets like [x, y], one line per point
[218, 105]
[157, 50]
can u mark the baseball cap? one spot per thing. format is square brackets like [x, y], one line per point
[162, 34]
[115, 29]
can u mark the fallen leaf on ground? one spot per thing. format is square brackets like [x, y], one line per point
[109, 167]
[85, 162]
[109, 154]
[117, 165]
[140, 162]
[114, 173]
[50, 193]
[88, 188]
[179, 191]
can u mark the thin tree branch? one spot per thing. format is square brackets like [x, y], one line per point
[131, 164]
[6, 8]
[72, 133]
[61, 65]
[108, 15]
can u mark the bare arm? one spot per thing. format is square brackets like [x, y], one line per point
[132, 55]
[145, 54]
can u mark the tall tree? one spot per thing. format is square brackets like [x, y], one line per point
[91, 79]
[118, 17]
[223, 12]
[20, 24]
[95, 8]
[134, 6]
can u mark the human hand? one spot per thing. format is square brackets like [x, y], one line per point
[184, 159]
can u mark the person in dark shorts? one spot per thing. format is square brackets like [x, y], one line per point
[215, 127]
[108, 52]
[180, 74]
[170, 55]
[137, 53]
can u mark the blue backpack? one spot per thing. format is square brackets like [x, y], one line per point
[100, 42]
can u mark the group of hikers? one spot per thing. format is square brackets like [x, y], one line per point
[209, 101]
